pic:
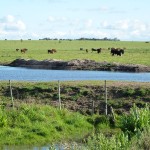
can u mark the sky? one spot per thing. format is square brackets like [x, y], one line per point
[127, 20]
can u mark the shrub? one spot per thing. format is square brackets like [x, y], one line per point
[128, 92]
[141, 92]
[138, 119]
[101, 142]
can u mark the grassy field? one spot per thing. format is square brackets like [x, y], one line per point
[135, 53]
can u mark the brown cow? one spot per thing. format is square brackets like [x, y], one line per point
[23, 50]
[51, 51]
[54, 50]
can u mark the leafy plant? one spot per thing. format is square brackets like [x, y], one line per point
[138, 119]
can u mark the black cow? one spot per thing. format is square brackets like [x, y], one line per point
[97, 50]
[50, 51]
[117, 51]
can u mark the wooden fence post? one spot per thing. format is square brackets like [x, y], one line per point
[93, 105]
[106, 98]
[59, 94]
[11, 94]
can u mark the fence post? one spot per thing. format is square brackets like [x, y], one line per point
[11, 94]
[93, 105]
[106, 98]
[59, 94]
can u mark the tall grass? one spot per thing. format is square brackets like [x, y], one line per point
[36, 123]
[137, 120]
[41, 124]
[135, 133]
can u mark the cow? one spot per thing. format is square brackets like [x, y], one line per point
[81, 49]
[117, 51]
[94, 49]
[54, 50]
[98, 50]
[87, 51]
[17, 49]
[23, 50]
[50, 51]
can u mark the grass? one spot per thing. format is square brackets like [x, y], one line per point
[135, 53]
[32, 124]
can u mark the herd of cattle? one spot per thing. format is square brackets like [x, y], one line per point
[113, 51]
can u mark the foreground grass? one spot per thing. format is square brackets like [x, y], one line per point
[32, 124]
[135, 53]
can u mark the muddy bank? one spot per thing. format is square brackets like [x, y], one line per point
[78, 65]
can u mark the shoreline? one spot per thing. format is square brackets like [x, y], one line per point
[76, 64]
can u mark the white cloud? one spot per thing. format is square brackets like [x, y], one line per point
[63, 27]
[129, 25]
[10, 24]
[127, 29]
[9, 18]
[89, 23]
[53, 19]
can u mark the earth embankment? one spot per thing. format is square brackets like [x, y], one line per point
[79, 65]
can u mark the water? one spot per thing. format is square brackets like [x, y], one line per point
[24, 74]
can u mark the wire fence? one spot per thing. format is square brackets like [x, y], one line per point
[86, 98]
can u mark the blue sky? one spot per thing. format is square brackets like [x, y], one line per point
[123, 19]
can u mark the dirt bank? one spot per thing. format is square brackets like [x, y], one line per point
[85, 97]
[79, 65]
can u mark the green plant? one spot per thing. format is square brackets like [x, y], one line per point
[128, 92]
[138, 119]
[102, 142]
[141, 92]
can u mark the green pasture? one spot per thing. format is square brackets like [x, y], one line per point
[135, 52]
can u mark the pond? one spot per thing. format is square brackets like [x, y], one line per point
[24, 74]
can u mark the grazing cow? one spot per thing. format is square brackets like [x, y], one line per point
[87, 51]
[117, 51]
[98, 50]
[23, 50]
[94, 49]
[54, 50]
[50, 51]
[122, 51]
[17, 49]
[81, 49]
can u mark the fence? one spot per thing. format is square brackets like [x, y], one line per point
[86, 97]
